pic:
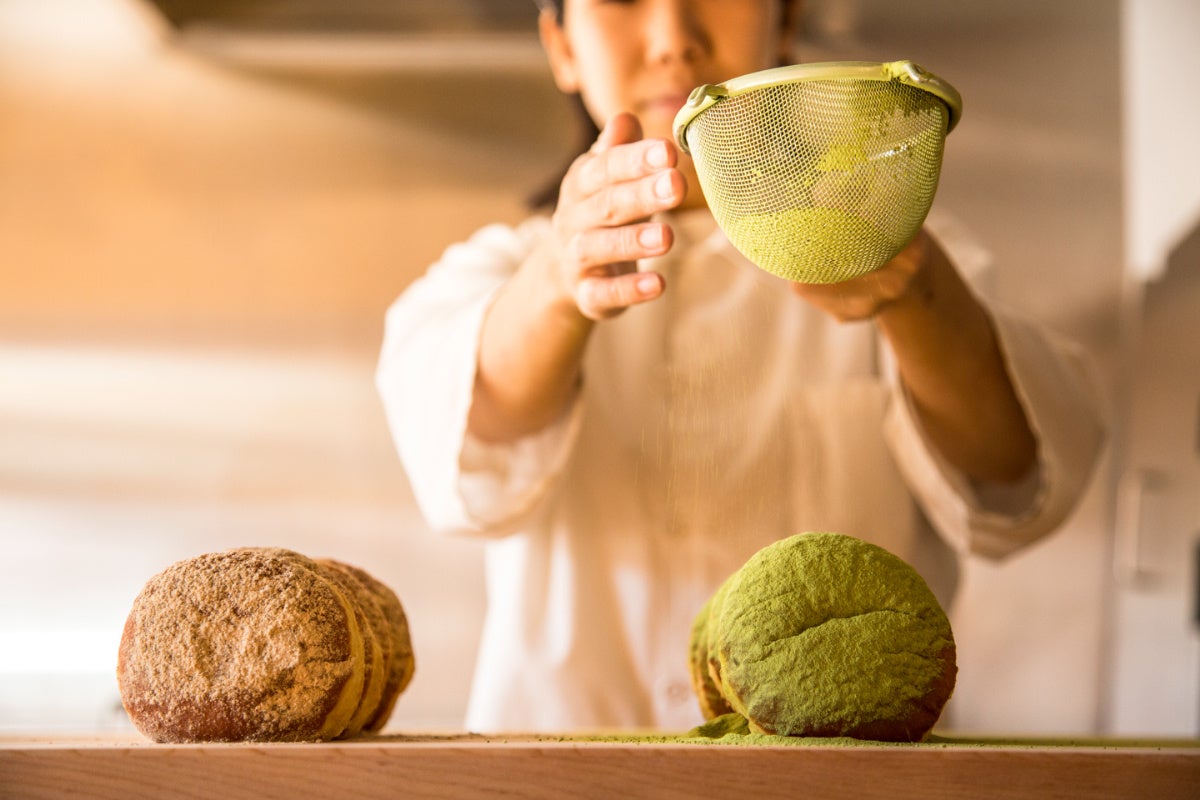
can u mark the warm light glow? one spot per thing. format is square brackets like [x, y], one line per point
[83, 28]
[64, 652]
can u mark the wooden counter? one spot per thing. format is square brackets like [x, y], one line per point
[541, 767]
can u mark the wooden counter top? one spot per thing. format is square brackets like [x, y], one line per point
[546, 767]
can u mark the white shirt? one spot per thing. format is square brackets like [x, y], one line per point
[721, 417]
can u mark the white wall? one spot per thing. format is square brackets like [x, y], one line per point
[1160, 41]
[1155, 638]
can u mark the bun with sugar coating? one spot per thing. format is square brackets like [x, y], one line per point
[254, 644]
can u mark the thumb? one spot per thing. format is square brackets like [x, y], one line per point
[621, 128]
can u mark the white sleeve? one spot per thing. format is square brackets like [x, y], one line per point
[1058, 393]
[426, 378]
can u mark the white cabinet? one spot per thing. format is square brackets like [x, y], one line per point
[1155, 686]
[1154, 675]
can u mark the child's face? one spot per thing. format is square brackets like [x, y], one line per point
[645, 56]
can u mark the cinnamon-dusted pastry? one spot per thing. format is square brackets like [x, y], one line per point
[400, 663]
[823, 634]
[252, 644]
[377, 645]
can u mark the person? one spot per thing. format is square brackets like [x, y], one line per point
[625, 409]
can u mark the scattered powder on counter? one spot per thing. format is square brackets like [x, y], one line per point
[732, 730]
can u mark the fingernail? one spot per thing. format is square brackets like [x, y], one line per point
[650, 237]
[647, 284]
[656, 156]
[664, 187]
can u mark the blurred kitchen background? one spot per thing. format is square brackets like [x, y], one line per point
[206, 207]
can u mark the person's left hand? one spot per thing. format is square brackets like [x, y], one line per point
[863, 297]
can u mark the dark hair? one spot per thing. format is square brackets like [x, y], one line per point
[550, 5]
[545, 197]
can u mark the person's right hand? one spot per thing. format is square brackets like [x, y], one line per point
[601, 225]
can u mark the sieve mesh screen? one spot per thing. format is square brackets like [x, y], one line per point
[820, 181]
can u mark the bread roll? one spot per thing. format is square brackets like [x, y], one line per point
[253, 644]
[262, 644]
[400, 662]
[823, 634]
[376, 642]
[705, 679]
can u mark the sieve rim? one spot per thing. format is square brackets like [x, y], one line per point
[906, 72]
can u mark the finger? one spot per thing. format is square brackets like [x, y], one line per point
[601, 298]
[848, 301]
[622, 128]
[626, 202]
[600, 246]
[833, 300]
[621, 163]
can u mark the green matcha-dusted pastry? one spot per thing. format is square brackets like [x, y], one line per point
[823, 634]
[704, 683]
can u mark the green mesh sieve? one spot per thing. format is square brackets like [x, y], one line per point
[822, 172]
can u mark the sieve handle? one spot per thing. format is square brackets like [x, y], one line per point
[701, 98]
[913, 74]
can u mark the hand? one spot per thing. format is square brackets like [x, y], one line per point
[865, 296]
[948, 357]
[601, 225]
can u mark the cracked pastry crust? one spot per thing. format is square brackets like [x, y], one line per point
[823, 634]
